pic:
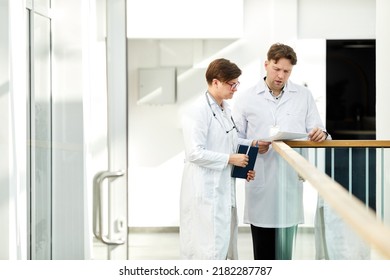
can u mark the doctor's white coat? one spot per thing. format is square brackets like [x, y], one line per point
[208, 217]
[275, 198]
[275, 201]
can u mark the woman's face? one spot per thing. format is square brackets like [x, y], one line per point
[227, 89]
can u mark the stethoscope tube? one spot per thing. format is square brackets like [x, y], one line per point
[215, 115]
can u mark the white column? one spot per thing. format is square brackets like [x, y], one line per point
[382, 69]
[383, 87]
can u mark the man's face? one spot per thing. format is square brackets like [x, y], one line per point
[278, 73]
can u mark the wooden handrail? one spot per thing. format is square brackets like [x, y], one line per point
[362, 219]
[339, 144]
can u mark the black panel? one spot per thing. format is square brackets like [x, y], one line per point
[350, 111]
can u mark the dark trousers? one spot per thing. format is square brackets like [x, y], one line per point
[273, 243]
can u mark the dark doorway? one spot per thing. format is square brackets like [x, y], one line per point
[350, 113]
[350, 89]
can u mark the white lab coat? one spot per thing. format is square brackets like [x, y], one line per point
[208, 217]
[272, 200]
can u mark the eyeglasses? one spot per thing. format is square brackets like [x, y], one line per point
[233, 85]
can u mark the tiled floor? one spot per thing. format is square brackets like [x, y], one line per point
[164, 245]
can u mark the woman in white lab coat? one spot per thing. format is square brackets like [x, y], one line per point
[208, 216]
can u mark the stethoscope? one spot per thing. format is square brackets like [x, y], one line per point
[215, 116]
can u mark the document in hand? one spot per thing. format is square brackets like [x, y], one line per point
[241, 172]
[283, 135]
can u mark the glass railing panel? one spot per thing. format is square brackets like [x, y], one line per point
[327, 234]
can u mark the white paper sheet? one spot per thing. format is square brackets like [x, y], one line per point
[284, 135]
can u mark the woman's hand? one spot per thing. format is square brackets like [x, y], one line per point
[240, 160]
[251, 175]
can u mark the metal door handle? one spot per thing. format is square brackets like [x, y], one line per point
[98, 199]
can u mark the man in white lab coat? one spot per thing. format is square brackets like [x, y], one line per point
[208, 215]
[273, 205]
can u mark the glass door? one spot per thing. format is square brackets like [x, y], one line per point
[77, 116]
[40, 127]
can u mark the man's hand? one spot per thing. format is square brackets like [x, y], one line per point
[317, 135]
[263, 146]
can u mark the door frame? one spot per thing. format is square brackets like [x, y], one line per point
[115, 238]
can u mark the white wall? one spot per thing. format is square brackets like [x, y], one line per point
[5, 131]
[13, 197]
[335, 19]
[155, 140]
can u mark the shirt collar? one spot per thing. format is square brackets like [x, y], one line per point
[262, 87]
